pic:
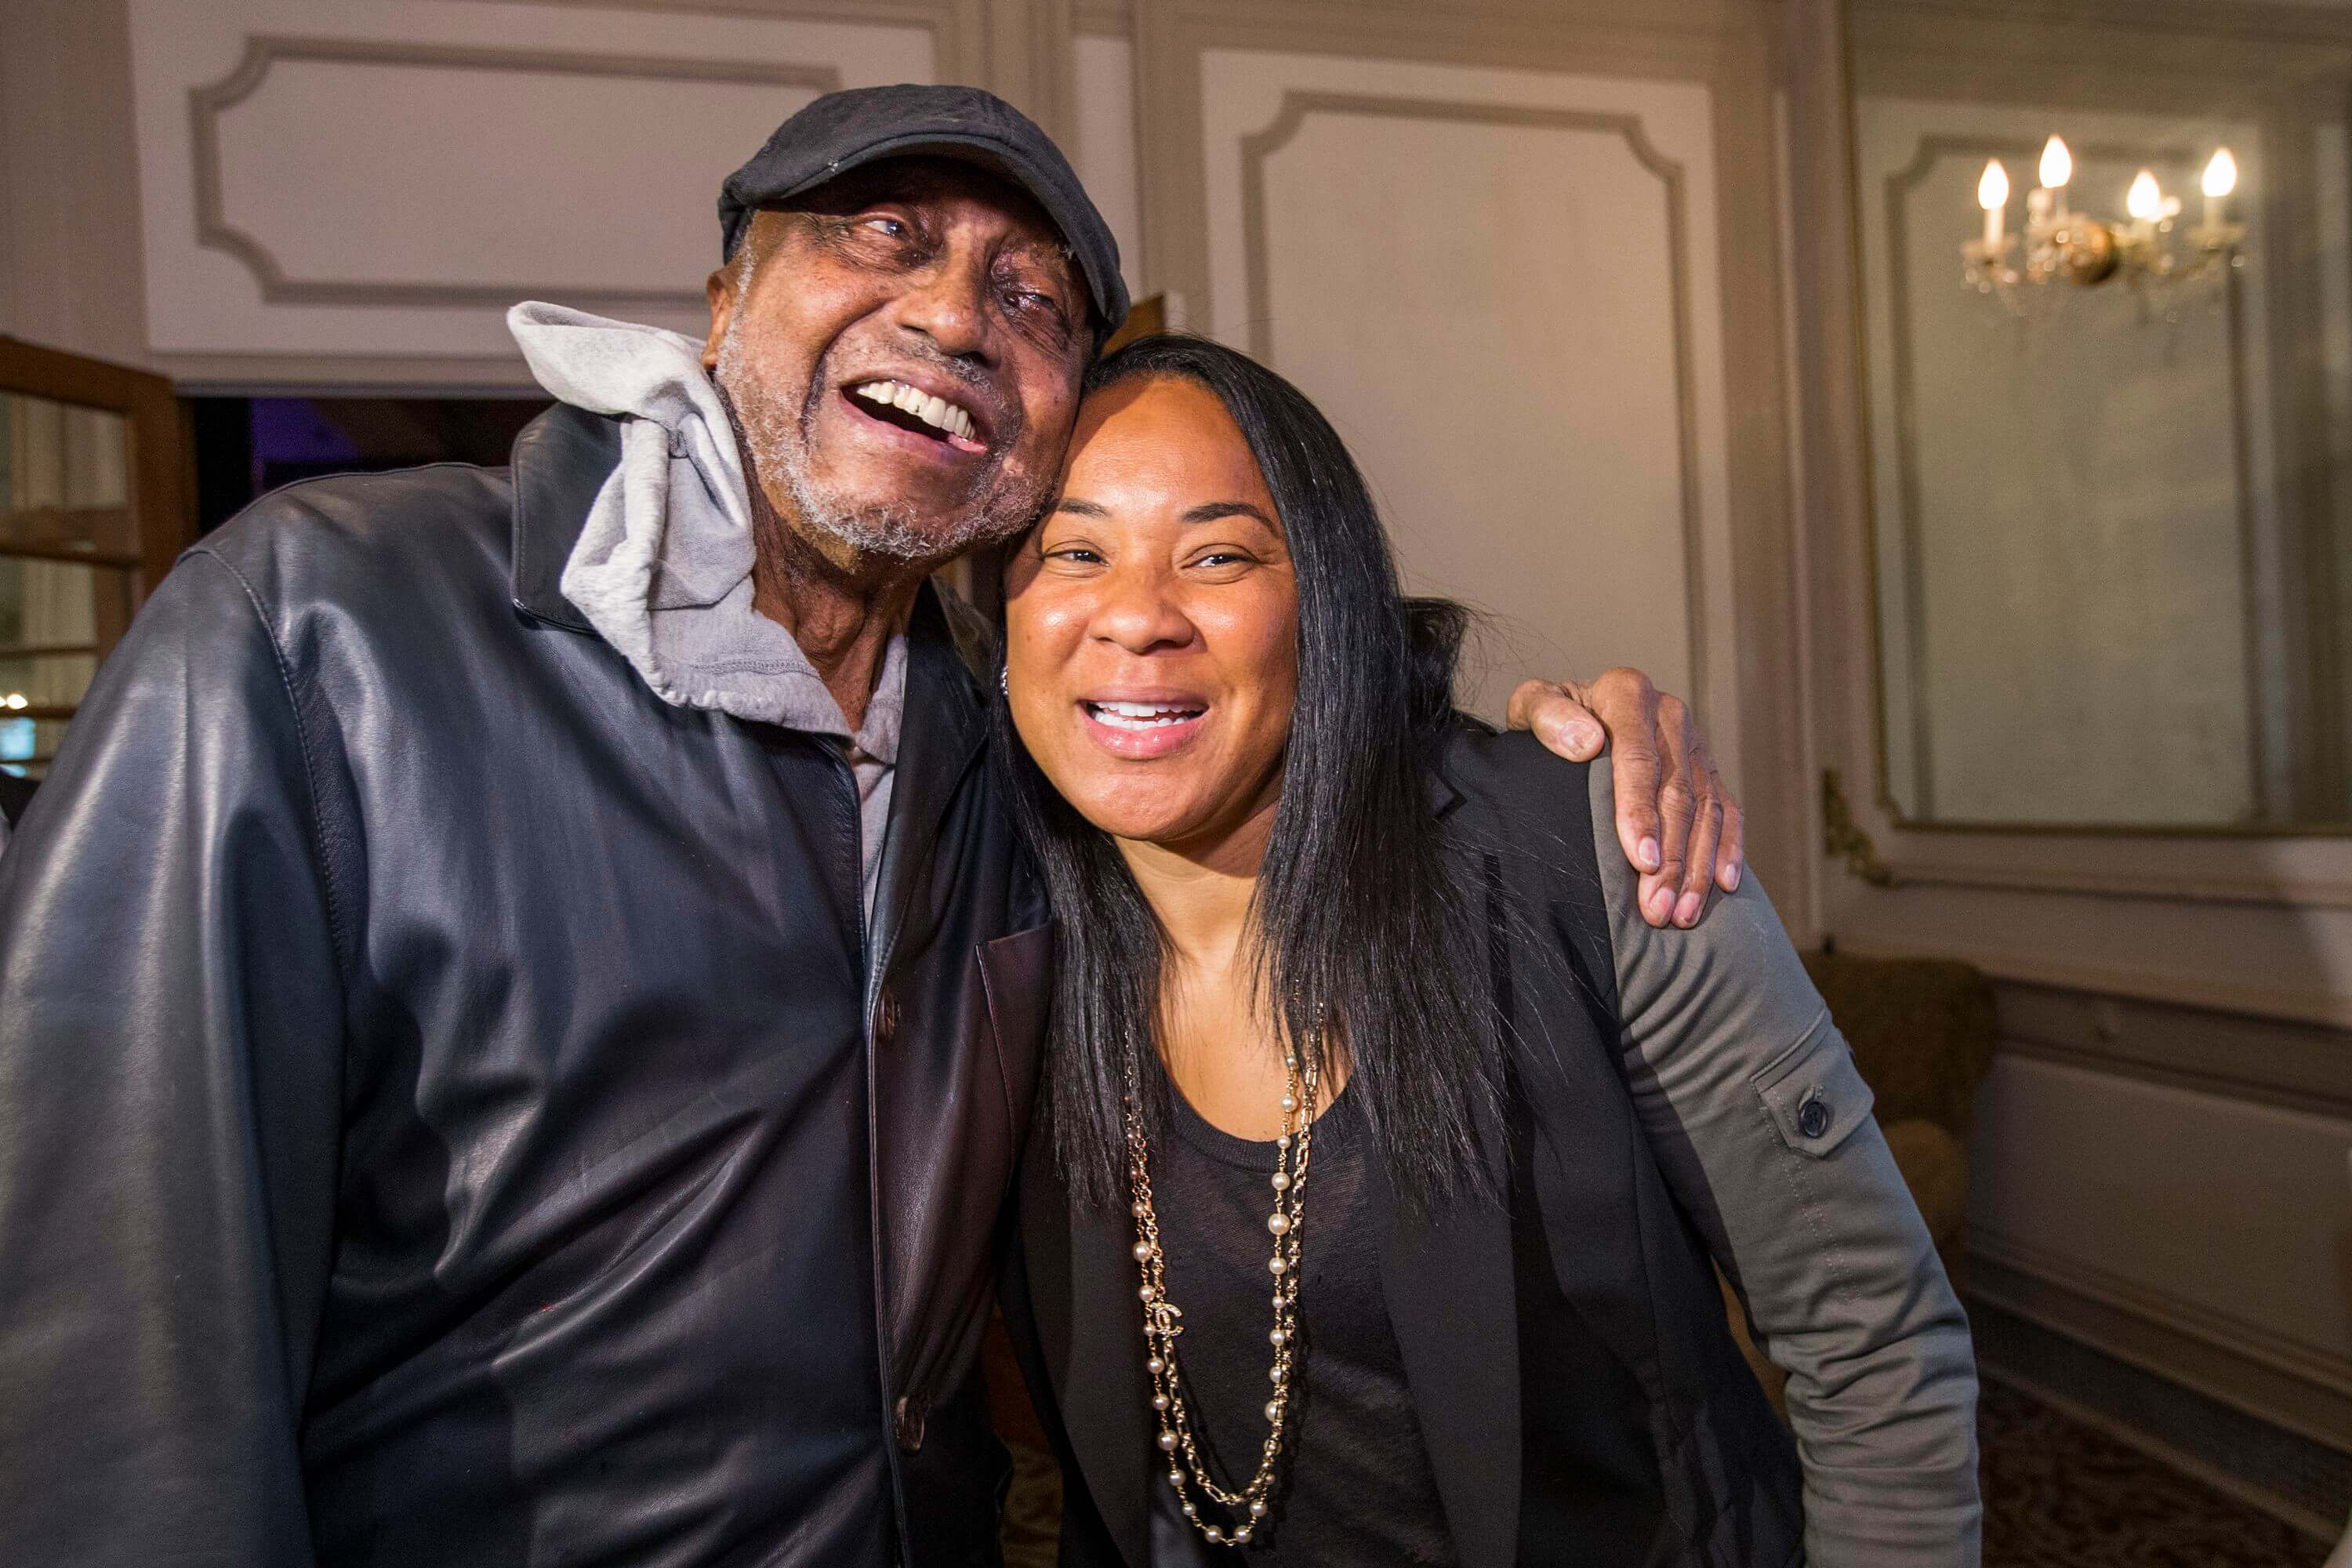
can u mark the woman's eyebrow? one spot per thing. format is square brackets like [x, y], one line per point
[1073, 505]
[1210, 511]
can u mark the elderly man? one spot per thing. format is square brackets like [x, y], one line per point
[497, 1062]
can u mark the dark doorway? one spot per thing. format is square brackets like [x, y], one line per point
[247, 447]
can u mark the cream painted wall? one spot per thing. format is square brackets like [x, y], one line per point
[69, 245]
[1102, 144]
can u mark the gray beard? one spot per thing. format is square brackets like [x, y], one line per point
[890, 529]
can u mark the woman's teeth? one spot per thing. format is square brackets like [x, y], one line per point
[1140, 715]
[936, 412]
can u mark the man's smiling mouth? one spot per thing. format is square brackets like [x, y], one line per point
[924, 414]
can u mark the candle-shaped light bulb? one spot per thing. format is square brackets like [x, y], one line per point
[2221, 174]
[1992, 195]
[2057, 164]
[2221, 179]
[2145, 202]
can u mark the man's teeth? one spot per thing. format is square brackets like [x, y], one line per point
[936, 412]
[1140, 715]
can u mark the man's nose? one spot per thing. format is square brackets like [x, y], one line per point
[949, 305]
[1139, 613]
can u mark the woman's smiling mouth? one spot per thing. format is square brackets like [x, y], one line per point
[1142, 728]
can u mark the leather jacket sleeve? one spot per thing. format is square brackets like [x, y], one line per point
[171, 1062]
[1763, 1128]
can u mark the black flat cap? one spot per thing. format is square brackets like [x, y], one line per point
[842, 131]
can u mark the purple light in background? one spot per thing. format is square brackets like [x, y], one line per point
[291, 430]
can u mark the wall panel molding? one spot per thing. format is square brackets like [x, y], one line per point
[266, 53]
[1753, 702]
[1260, 145]
[1929, 151]
[2293, 1067]
[2253, 922]
[960, 28]
[349, 192]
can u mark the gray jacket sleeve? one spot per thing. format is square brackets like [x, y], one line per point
[1762, 1126]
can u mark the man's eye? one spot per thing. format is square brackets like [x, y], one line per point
[896, 228]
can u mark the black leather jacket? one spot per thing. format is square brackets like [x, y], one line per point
[453, 1109]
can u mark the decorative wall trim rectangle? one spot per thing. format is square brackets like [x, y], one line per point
[215, 231]
[1719, 47]
[1929, 151]
[1296, 104]
[2228, 906]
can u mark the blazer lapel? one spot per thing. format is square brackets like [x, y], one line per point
[1082, 1284]
[1015, 977]
[1452, 1303]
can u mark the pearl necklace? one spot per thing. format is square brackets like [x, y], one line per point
[1161, 1327]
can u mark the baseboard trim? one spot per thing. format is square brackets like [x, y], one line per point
[2280, 1380]
[2284, 1472]
[2302, 1519]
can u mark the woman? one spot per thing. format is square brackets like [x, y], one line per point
[1387, 1151]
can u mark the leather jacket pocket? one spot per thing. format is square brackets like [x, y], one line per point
[1813, 1093]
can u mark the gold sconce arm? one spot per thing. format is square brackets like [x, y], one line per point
[1844, 839]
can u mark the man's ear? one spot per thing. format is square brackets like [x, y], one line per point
[720, 290]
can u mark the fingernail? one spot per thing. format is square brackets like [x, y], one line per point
[1731, 878]
[1646, 852]
[1661, 903]
[1686, 913]
[1583, 737]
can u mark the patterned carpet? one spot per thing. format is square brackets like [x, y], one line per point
[2059, 1494]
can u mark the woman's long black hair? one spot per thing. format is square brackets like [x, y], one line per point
[1354, 920]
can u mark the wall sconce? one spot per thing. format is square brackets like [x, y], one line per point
[2059, 245]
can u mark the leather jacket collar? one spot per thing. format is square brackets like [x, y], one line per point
[560, 461]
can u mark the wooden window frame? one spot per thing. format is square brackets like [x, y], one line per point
[162, 480]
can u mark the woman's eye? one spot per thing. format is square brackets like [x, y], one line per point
[1222, 558]
[1077, 555]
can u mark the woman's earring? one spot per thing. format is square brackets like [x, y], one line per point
[1004, 681]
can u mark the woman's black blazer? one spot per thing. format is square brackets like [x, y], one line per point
[1676, 1100]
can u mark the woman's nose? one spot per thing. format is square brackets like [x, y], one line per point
[1139, 614]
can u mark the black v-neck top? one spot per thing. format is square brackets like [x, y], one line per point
[1356, 1485]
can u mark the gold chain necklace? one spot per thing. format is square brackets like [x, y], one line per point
[1161, 1327]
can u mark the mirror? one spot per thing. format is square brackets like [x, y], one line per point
[2107, 273]
[68, 556]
